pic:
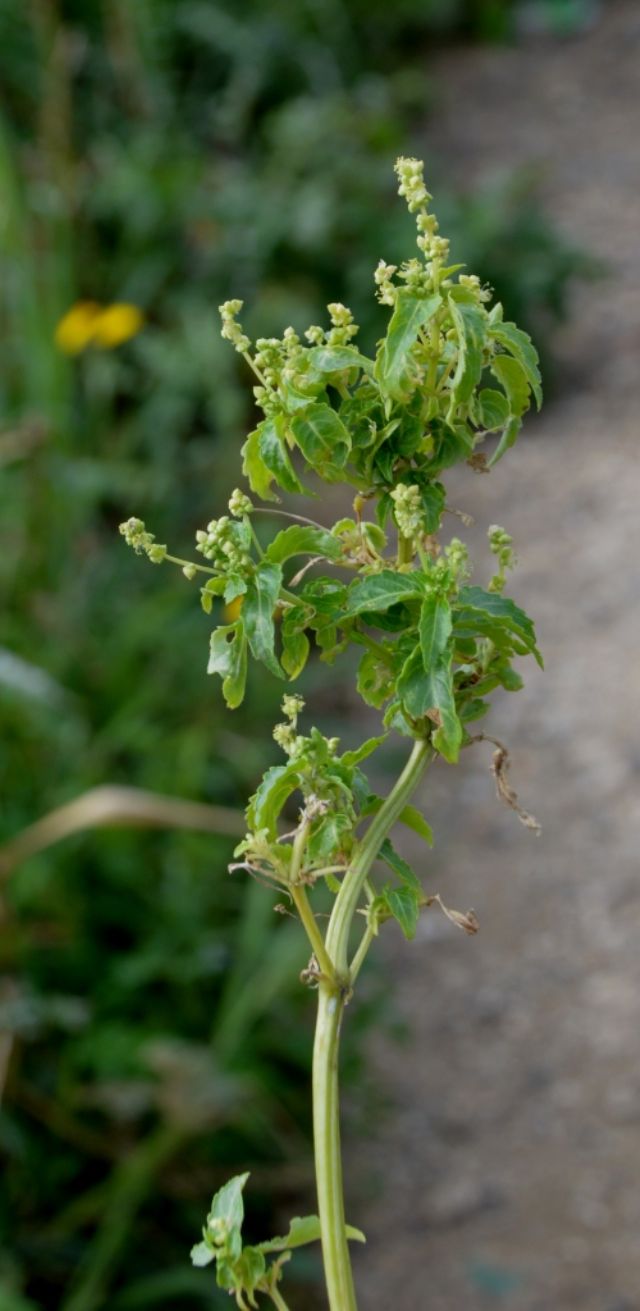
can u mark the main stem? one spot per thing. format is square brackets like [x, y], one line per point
[332, 997]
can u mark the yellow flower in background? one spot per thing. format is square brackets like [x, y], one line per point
[89, 324]
[233, 610]
[117, 323]
[75, 330]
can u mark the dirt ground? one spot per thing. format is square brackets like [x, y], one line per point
[508, 1174]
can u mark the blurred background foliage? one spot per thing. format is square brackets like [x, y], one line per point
[171, 153]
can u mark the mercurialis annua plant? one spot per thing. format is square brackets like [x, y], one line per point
[449, 384]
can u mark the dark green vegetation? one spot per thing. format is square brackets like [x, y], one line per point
[168, 154]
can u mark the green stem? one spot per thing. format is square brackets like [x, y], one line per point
[365, 942]
[346, 903]
[332, 997]
[278, 1299]
[314, 935]
[406, 549]
[328, 1159]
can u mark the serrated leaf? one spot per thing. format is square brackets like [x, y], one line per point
[334, 359]
[327, 838]
[395, 368]
[323, 440]
[489, 610]
[511, 374]
[274, 790]
[430, 693]
[520, 345]
[432, 496]
[434, 628]
[391, 857]
[228, 658]
[470, 324]
[380, 591]
[263, 589]
[373, 680]
[302, 539]
[351, 758]
[404, 905]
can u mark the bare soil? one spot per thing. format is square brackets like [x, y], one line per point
[508, 1173]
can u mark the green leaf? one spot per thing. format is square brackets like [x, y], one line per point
[507, 440]
[434, 628]
[228, 1205]
[470, 324]
[249, 1270]
[303, 1230]
[274, 790]
[380, 591]
[373, 680]
[493, 409]
[404, 905]
[327, 838]
[412, 818]
[514, 380]
[390, 856]
[433, 497]
[274, 455]
[489, 612]
[260, 599]
[295, 652]
[228, 658]
[323, 440]
[351, 758]
[302, 539]
[408, 816]
[334, 359]
[431, 693]
[254, 468]
[202, 1254]
[520, 345]
[395, 368]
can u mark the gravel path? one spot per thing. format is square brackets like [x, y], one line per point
[508, 1174]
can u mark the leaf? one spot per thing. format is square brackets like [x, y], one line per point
[433, 497]
[202, 1254]
[227, 1203]
[493, 611]
[327, 838]
[470, 324]
[430, 693]
[303, 1230]
[268, 800]
[260, 599]
[412, 818]
[254, 468]
[323, 440]
[408, 816]
[249, 1270]
[520, 345]
[351, 758]
[493, 409]
[334, 359]
[514, 380]
[274, 455]
[507, 440]
[228, 658]
[390, 856]
[302, 539]
[295, 652]
[434, 628]
[395, 368]
[379, 591]
[373, 680]
[404, 905]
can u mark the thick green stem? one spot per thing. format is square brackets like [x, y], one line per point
[326, 1130]
[331, 1002]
